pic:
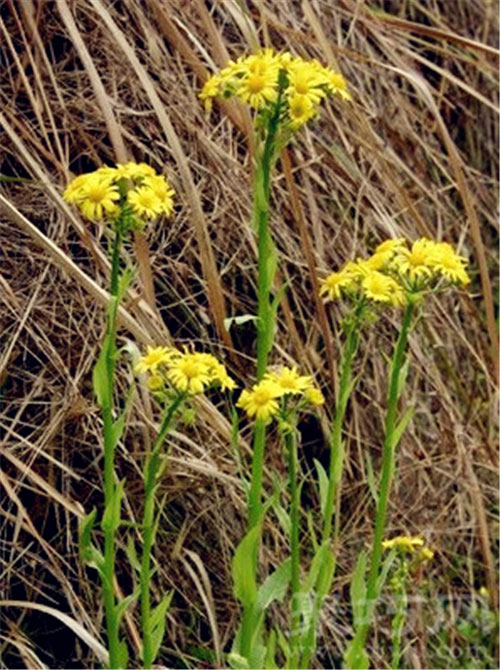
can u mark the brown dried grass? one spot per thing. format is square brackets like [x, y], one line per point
[415, 154]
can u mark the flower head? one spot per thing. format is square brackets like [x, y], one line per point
[448, 263]
[261, 402]
[98, 197]
[289, 380]
[154, 357]
[404, 543]
[335, 282]
[382, 288]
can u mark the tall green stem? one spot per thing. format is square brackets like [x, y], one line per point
[109, 529]
[388, 465]
[291, 443]
[148, 530]
[336, 468]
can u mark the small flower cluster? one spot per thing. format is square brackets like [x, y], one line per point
[262, 79]
[395, 270]
[187, 372]
[102, 194]
[409, 545]
[262, 401]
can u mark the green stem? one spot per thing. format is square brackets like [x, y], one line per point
[109, 529]
[388, 465]
[336, 469]
[398, 623]
[291, 443]
[148, 530]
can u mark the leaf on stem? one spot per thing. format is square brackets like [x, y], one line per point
[370, 478]
[322, 485]
[358, 590]
[100, 380]
[275, 585]
[157, 623]
[124, 604]
[122, 654]
[403, 373]
[398, 431]
[112, 513]
[244, 567]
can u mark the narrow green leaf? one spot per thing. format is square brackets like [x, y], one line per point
[100, 380]
[322, 485]
[158, 621]
[355, 657]
[317, 563]
[326, 573]
[133, 559]
[283, 517]
[398, 431]
[124, 283]
[386, 566]
[122, 655]
[237, 662]
[85, 529]
[270, 660]
[275, 586]
[112, 513]
[124, 604]
[244, 567]
[358, 590]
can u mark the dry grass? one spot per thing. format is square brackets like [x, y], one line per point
[90, 81]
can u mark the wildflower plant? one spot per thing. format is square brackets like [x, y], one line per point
[124, 198]
[284, 92]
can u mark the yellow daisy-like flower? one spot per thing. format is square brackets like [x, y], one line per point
[444, 259]
[336, 84]
[98, 196]
[162, 189]
[261, 402]
[259, 87]
[381, 288]
[306, 79]
[133, 170]
[336, 281]
[415, 262]
[154, 357]
[145, 202]
[73, 191]
[189, 373]
[403, 542]
[210, 90]
[314, 396]
[301, 109]
[289, 380]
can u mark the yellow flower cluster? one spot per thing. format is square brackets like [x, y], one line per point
[263, 78]
[262, 401]
[101, 194]
[409, 545]
[395, 269]
[188, 372]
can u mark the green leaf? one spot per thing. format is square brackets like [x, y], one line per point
[326, 573]
[124, 283]
[133, 559]
[85, 529]
[89, 554]
[358, 590]
[238, 320]
[386, 566]
[237, 662]
[100, 378]
[398, 431]
[356, 658]
[124, 604]
[283, 517]
[158, 621]
[370, 477]
[319, 561]
[270, 660]
[322, 485]
[112, 513]
[275, 586]
[122, 655]
[244, 567]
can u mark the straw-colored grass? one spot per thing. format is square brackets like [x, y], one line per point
[91, 82]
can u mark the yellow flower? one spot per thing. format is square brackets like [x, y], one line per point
[426, 554]
[133, 170]
[336, 281]
[73, 191]
[210, 90]
[156, 382]
[447, 262]
[289, 380]
[261, 401]
[162, 189]
[381, 288]
[145, 202]
[306, 79]
[301, 109]
[314, 396]
[154, 357]
[98, 196]
[259, 87]
[403, 542]
[414, 262]
[336, 84]
[189, 373]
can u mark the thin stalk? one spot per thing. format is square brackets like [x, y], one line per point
[112, 624]
[388, 465]
[291, 444]
[398, 623]
[336, 468]
[148, 529]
